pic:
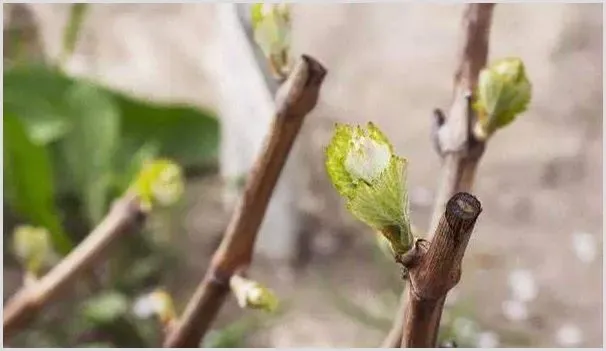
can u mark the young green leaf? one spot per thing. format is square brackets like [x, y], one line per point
[504, 92]
[364, 169]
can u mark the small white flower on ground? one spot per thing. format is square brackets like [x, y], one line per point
[585, 246]
[523, 285]
[569, 335]
[487, 340]
[515, 310]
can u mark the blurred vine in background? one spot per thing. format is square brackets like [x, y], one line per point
[71, 146]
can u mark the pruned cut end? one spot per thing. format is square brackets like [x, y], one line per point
[464, 206]
[317, 70]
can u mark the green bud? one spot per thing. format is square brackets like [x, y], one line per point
[159, 182]
[252, 294]
[364, 169]
[33, 247]
[504, 92]
[271, 25]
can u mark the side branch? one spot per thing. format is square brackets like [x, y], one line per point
[124, 216]
[460, 150]
[294, 100]
[438, 270]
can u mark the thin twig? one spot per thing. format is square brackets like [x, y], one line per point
[452, 134]
[294, 100]
[124, 216]
[437, 270]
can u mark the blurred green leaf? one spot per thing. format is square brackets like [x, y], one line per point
[98, 124]
[29, 180]
[105, 308]
[35, 95]
[91, 145]
[184, 134]
[77, 13]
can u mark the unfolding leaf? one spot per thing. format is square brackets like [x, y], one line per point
[363, 167]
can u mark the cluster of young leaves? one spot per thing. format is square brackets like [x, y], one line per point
[364, 169]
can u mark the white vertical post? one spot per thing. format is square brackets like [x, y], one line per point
[246, 110]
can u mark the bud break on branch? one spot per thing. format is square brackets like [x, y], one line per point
[364, 169]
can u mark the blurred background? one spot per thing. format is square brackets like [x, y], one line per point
[183, 81]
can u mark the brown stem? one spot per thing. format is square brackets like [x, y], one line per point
[453, 134]
[438, 270]
[294, 100]
[461, 151]
[124, 216]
